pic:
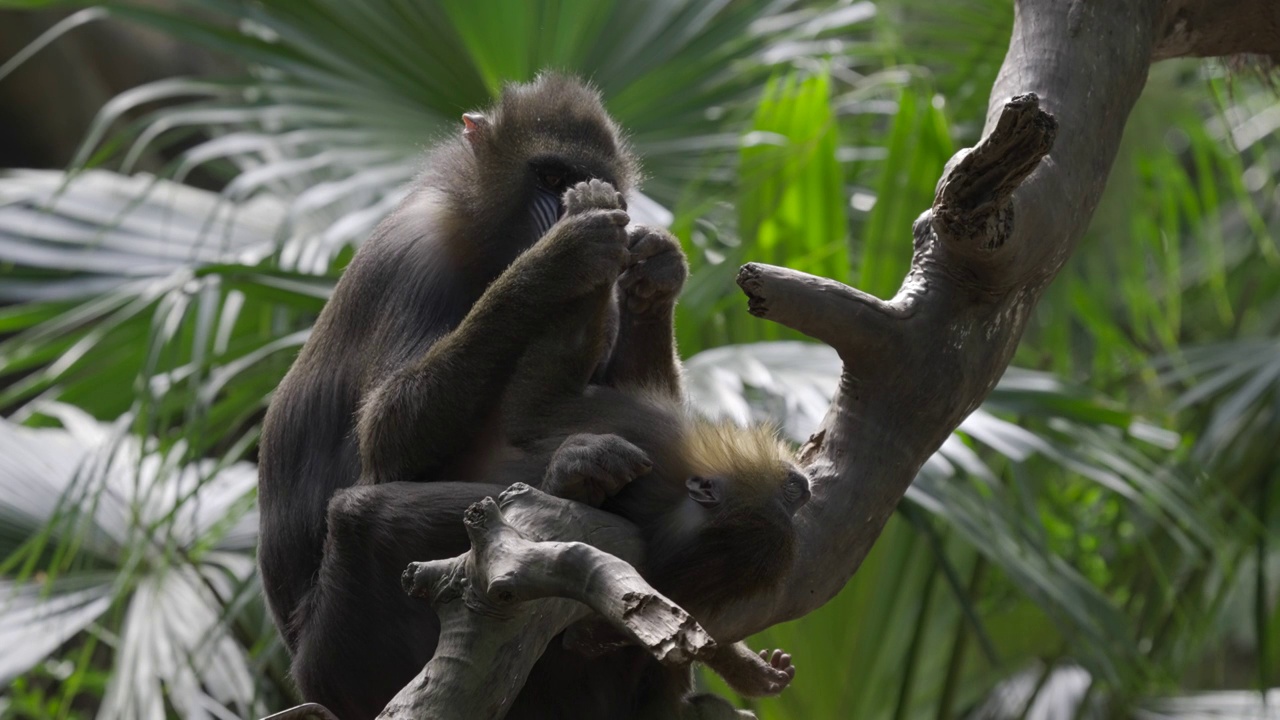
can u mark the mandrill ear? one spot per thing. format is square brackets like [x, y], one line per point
[474, 127]
[704, 491]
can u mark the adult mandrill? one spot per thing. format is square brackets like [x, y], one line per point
[368, 396]
[453, 360]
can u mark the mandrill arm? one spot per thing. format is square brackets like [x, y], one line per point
[645, 352]
[457, 385]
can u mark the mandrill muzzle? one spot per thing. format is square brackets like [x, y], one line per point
[547, 210]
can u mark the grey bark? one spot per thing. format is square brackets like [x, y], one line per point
[1007, 215]
[537, 564]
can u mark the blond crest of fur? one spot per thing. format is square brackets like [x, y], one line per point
[754, 456]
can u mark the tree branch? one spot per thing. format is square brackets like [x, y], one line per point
[1006, 216]
[806, 303]
[504, 600]
[973, 210]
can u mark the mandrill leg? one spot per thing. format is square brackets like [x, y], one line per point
[645, 351]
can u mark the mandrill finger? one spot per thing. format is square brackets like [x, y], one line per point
[614, 476]
[646, 242]
[645, 290]
[664, 276]
[624, 458]
[593, 195]
[590, 489]
[629, 277]
[595, 484]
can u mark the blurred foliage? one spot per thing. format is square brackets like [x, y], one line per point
[1097, 540]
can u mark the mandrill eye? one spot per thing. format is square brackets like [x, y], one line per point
[553, 182]
[795, 491]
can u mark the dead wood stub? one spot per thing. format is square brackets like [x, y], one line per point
[972, 209]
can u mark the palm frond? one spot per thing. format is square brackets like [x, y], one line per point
[134, 280]
[160, 545]
[67, 240]
[343, 97]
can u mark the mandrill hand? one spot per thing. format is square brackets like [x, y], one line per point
[592, 195]
[590, 468]
[585, 250]
[655, 274]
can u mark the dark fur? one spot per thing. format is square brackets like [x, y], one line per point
[355, 636]
[452, 361]
[734, 551]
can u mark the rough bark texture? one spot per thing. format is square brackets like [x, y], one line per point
[1007, 215]
[516, 589]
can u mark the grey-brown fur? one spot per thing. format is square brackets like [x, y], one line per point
[454, 360]
[704, 558]
[329, 576]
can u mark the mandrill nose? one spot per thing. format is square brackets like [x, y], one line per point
[546, 210]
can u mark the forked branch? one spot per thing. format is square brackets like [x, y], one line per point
[504, 600]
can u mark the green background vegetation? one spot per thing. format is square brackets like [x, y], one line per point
[1097, 540]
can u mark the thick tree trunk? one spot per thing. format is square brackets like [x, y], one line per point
[1007, 215]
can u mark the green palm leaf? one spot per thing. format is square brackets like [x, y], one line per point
[150, 551]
